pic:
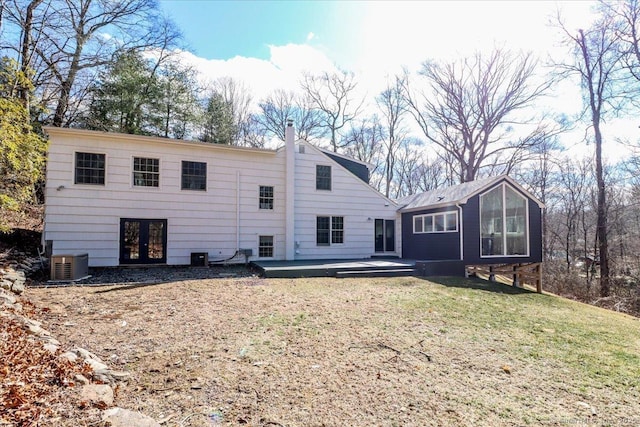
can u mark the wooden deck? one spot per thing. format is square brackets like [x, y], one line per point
[336, 268]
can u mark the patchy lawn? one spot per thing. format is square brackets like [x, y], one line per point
[387, 352]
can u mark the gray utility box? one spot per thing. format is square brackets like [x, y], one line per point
[69, 267]
[199, 259]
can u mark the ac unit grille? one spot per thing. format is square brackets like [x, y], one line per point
[69, 267]
[62, 270]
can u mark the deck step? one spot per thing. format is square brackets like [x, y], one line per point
[397, 272]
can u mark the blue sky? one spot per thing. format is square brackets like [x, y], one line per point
[267, 45]
[366, 36]
[225, 29]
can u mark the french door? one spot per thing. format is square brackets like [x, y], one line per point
[143, 241]
[385, 235]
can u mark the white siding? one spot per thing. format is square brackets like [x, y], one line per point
[349, 197]
[86, 218]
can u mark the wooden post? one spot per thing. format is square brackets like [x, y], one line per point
[539, 279]
[492, 277]
[515, 276]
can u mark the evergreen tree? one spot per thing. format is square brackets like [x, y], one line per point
[218, 122]
[123, 99]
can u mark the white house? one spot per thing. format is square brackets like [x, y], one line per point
[128, 199]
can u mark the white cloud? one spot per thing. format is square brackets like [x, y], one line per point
[382, 37]
[282, 71]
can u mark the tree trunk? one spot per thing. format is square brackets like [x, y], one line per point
[595, 104]
[602, 216]
[25, 49]
[67, 84]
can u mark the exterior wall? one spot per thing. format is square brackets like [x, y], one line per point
[471, 223]
[82, 218]
[446, 246]
[349, 197]
[429, 246]
[86, 218]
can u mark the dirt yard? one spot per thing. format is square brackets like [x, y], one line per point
[330, 352]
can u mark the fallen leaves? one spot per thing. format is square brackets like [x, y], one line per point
[31, 377]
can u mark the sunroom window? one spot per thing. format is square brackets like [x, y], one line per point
[503, 222]
[445, 222]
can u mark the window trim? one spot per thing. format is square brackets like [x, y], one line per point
[330, 178]
[182, 176]
[75, 169]
[433, 216]
[331, 230]
[133, 172]
[504, 222]
[266, 198]
[273, 245]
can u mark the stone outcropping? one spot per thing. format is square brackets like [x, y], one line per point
[15, 267]
[100, 392]
[118, 417]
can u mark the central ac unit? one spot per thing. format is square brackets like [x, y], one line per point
[69, 267]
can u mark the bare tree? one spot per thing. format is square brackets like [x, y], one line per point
[572, 194]
[393, 106]
[237, 96]
[469, 108]
[539, 176]
[625, 17]
[67, 42]
[432, 174]
[363, 141]
[598, 62]
[408, 161]
[26, 48]
[281, 106]
[333, 94]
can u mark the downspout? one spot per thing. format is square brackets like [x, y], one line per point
[237, 211]
[461, 232]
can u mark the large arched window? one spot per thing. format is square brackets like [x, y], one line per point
[503, 223]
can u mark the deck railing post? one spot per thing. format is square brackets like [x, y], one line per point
[539, 278]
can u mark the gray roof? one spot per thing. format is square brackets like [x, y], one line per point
[451, 195]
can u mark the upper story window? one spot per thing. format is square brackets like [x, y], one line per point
[194, 175]
[323, 177]
[444, 222]
[503, 222]
[146, 172]
[90, 168]
[265, 200]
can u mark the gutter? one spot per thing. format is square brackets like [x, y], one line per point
[461, 232]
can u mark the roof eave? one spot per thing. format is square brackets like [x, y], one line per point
[152, 139]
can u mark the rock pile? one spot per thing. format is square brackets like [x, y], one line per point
[98, 389]
[15, 267]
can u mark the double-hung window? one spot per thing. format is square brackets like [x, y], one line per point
[323, 177]
[329, 230]
[90, 168]
[265, 247]
[146, 172]
[265, 200]
[194, 175]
